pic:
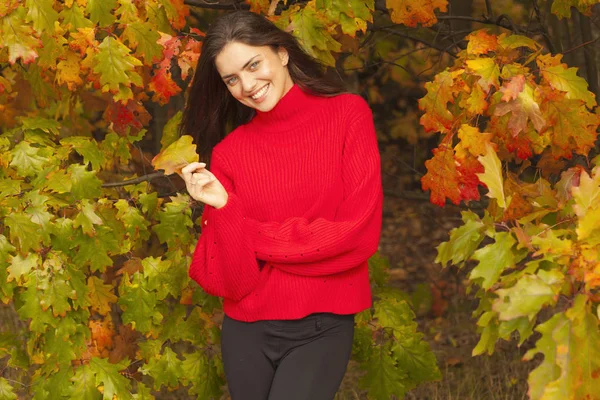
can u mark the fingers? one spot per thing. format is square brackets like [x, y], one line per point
[190, 168]
[203, 178]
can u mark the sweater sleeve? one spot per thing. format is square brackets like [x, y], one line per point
[224, 263]
[321, 246]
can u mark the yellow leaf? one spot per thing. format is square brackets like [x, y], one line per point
[176, 156]
[68, 72]
[492, 177]
[413, 12]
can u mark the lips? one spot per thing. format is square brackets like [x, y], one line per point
[261, 93]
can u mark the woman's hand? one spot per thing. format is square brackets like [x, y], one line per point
[203, 186]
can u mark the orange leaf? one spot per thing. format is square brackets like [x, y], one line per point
[442, 177]
[481, 42]
[163, 87]
[414, 12]
[511, 89]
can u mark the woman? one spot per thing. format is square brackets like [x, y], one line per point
[292, 208]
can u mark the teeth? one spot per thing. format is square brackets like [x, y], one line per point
[260, 93]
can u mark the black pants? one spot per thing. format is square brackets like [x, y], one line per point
[301, 359]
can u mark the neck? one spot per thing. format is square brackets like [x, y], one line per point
[292, 106]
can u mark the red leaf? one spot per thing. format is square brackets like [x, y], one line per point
[163, 87]
[468, 169]
[442, 177]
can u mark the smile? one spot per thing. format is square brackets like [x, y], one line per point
[260, 93]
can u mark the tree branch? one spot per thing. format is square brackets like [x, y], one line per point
[135, 181]
[218, 4]
[488, 7]
[419, 40]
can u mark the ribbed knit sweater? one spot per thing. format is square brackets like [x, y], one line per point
[303, 213]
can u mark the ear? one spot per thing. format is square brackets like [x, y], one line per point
[283, 55]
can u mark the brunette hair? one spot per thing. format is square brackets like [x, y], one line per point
[211, 111]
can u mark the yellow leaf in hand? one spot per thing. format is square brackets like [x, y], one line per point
[176, 156]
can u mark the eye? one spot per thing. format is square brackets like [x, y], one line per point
[254, 65]
[231, 81]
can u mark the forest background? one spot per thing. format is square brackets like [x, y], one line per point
[489, 106]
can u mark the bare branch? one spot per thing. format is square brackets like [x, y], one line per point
[581, 45]
[218, 4]
[419, 40]
[488, 7]
[135, 181]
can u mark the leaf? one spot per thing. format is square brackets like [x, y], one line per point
[100, 295]
[442, 177]
[383, 379]
[84, 384]
[22, 265]
[173, 219]
[166, 369]
[88, 148]
[116, 66]
[176, 12]
[473, 140]
[28, 160]
[171, 130]
[529, 295]
[414, 12]
[492, 177]
[562, 8]
[24, 232]
[488, 71]
[87, 218]
[509, 42]
[463, 241]
[142, 37]
[41, 13]
[202, 372]
[113, 383]
[138, 304]
[523, 108]
[101, 11]
[494, 259]
[440, 92]
[176, 156]
[481, 42]
[567, 80]
[6, 391]
[73, 18]
[85, 185]
[18, 38]
[68, 71]
[163, 86]
[511, 88]
[312, 34]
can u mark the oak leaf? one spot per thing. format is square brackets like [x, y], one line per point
[522, 109]
[414, 12]
[176, 156]
[481, 42]
[442, 177]
[18, 37]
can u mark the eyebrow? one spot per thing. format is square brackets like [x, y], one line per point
[245, 65]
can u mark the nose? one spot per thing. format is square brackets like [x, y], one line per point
[248, 83]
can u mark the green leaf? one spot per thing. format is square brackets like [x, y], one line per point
[41, 13]
[464, 240]
[101, 11]
[27, 160]
[116, 66]
[202, 372]
[383, 379]
[166, 369]
[88, 148]
[510, 42]
[96, 250]
[174, 218]
[143, 37]
[84, 384]
[138, 303]
[85, 185]
[113, 382]
[9, 187]
[143, 392]
[378, 269]
[56, 293]
[32, 309]
[492, 177]
[171, 130]
[529, 295]
[6, 391]
[24, 232]
[100, 295]
[494, 259]
[567, 80]
[87, 218]
[135, 223]
[73, 18]
[22, 266]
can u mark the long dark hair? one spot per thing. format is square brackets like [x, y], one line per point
[211, 111]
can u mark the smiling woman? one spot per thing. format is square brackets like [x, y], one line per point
[293, 205]
[255, 76]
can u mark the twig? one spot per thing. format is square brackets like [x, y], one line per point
[135, 181]
[488, 7]
[581, 45]
[419, 40]
[218, 5]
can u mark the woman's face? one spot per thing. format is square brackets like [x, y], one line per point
[256, 76]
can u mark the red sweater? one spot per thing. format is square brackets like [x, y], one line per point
[303, 214]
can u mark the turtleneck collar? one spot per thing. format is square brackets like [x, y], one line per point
[291, 109]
